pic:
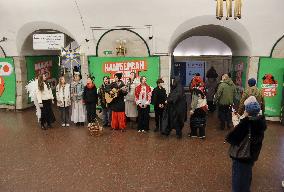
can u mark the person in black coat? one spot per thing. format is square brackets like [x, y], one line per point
[242, 169]
[159, 97]
[177, 110]
[90, 98]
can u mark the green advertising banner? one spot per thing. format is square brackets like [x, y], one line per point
[7, 81]
[270, 81]
[239, 72]
[47, 65]
[143, 66]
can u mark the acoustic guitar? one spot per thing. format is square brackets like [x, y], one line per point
[113, 94]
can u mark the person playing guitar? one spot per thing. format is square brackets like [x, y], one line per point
[117, 91]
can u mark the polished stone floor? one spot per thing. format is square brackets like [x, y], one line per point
[68, 159]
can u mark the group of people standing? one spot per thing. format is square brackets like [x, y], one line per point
[119, 102]
[130, 102]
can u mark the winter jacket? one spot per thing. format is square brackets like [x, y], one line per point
[90, 95]
[225, 93]
[63, 95]
[159, 96]
[251, 91]
[46, 94]
[198, 102]
[258, 126]
[177, 110]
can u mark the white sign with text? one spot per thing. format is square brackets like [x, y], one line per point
[48, 41]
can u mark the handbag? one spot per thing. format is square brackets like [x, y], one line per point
[243, 150]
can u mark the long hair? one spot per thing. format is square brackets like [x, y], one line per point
[141, 78]
[60, 84]
[40, 83]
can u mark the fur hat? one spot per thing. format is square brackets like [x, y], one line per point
[252, 82]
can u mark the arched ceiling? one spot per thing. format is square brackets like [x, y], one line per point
[201, 45]
[226, 35]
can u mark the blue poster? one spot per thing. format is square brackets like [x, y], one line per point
[193, 67]
[180, 70]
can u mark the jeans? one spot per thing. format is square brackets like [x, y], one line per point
[106, 116]
[241, 176]
[64, 113]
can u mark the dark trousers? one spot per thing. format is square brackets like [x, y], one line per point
[64, 113]
[47, 116]
[211, 106]
[197, 123]
[158, 117]
[143, 118]
[106, 116]
[241, 176]
[91, 112]
[225, 115]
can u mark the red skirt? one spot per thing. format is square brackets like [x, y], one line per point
[118, 120]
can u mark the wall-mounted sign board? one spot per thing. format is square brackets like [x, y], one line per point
[48, 41]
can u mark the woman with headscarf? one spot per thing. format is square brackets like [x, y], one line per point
[176, 106]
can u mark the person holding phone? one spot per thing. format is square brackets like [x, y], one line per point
[143, 94]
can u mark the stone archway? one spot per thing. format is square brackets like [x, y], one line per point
[25, 33]
[24, 40]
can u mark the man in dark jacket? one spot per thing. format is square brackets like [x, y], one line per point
[176, 107]
[242, 168]
[159, 97]
[117, 106]
[90, 98]
[106, 110]
[224, 98]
